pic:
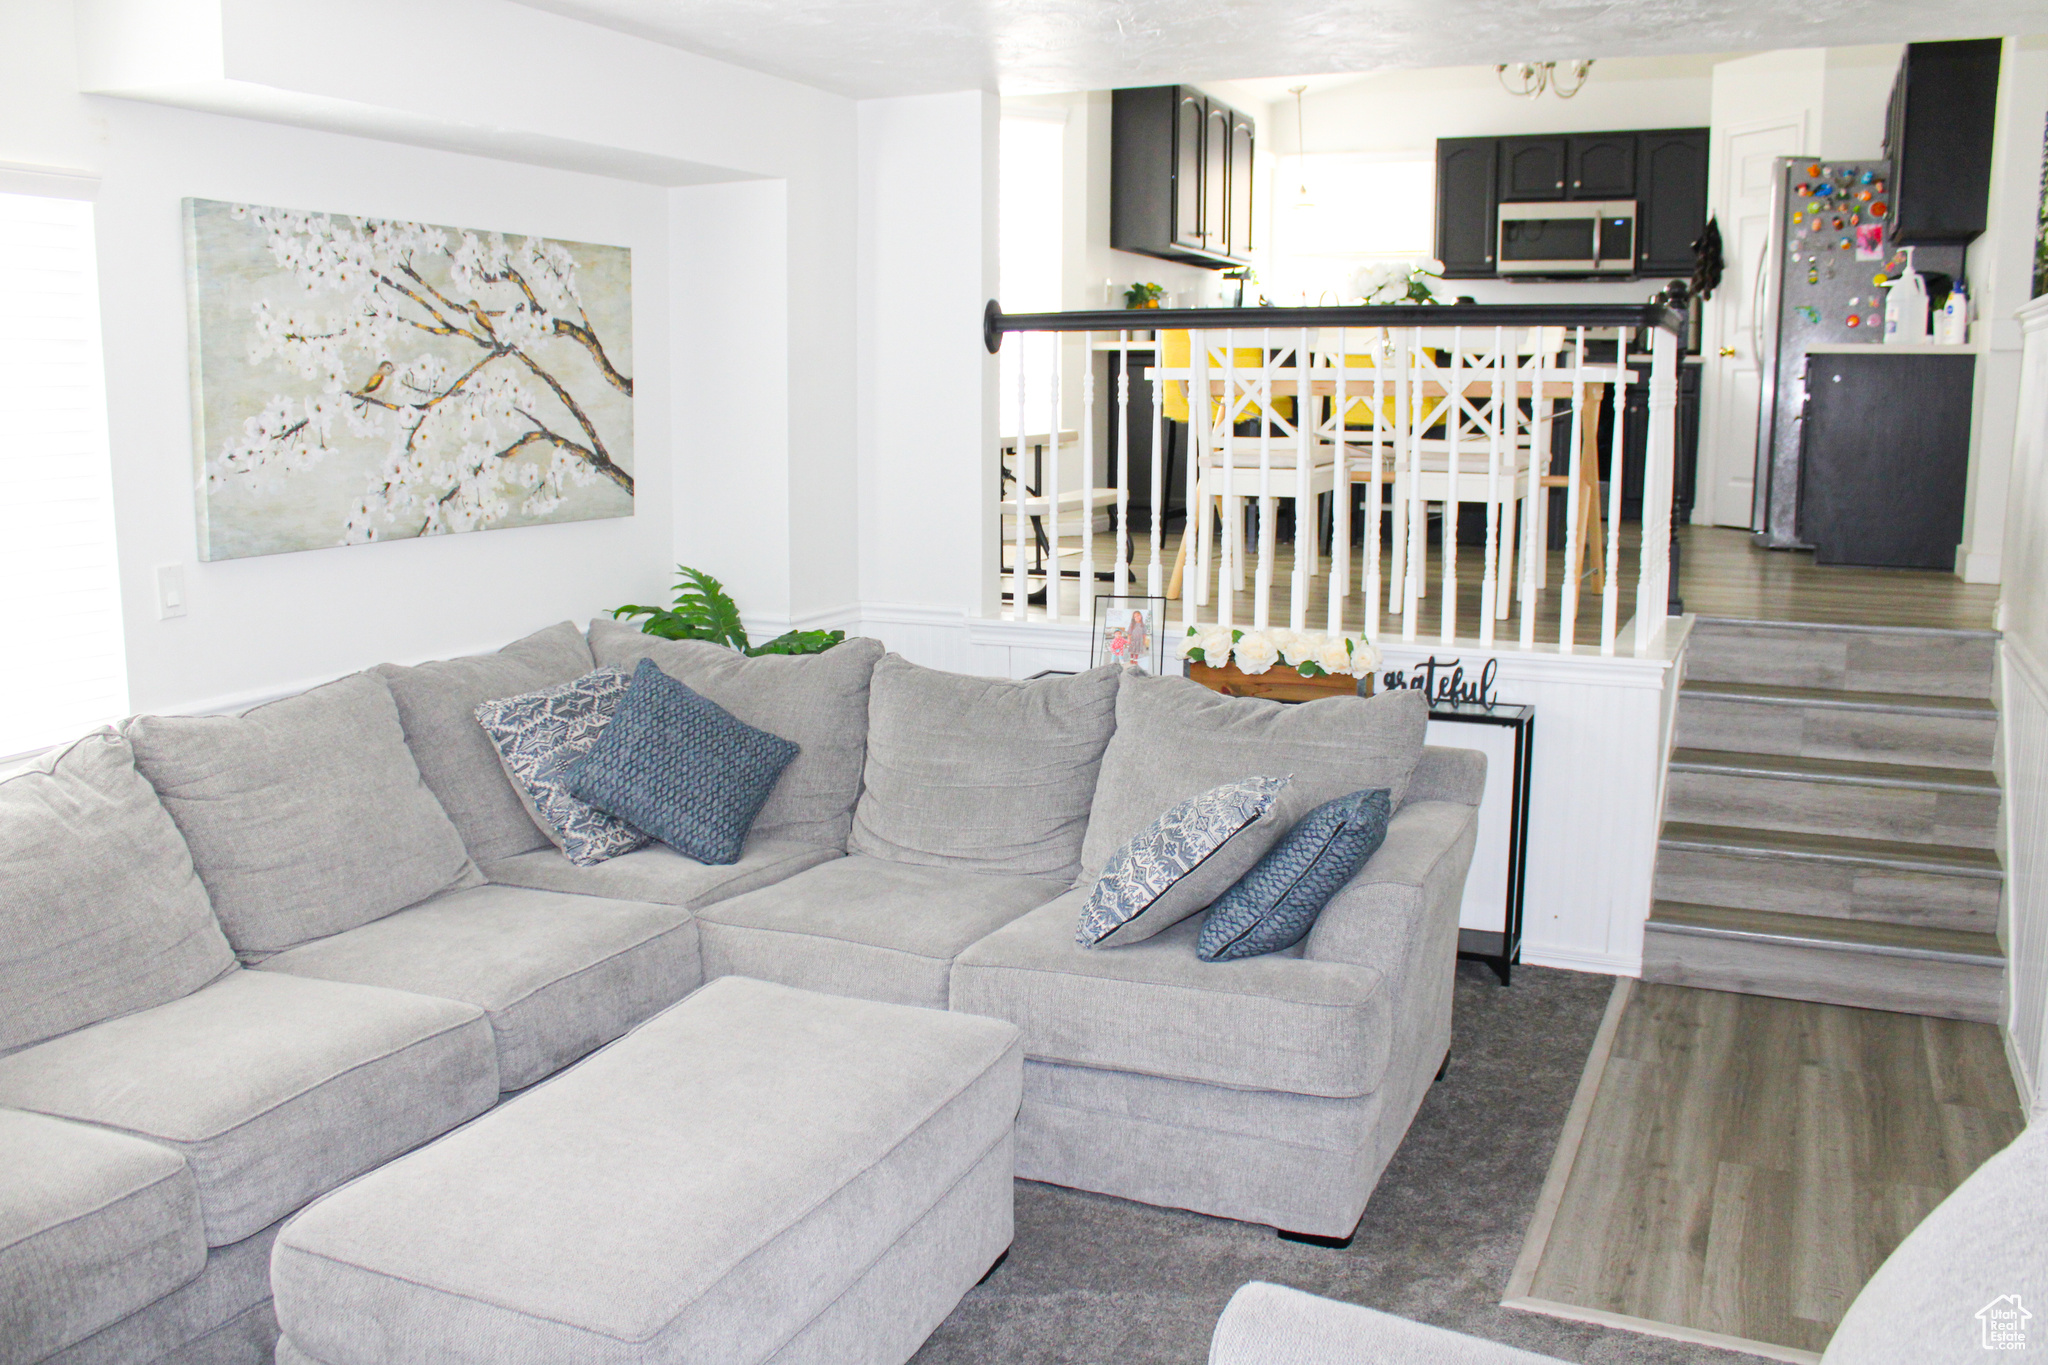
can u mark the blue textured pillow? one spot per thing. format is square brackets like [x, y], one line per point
[1177, 864]
[1274, 905]
[681, 767]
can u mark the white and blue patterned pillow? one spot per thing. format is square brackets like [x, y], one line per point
[1181, 861]
[540, 736]
[1274, 905]
[681, 767]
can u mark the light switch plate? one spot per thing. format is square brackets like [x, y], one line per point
[170, 591]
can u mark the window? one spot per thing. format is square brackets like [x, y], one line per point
[60, 603]
[1336, 211]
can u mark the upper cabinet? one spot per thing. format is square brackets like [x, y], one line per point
[1938, 135]
[1663, 171]
[1602, 166]
[1671, 199]
[1532, 168]
[1180, 176]
[1465, 205]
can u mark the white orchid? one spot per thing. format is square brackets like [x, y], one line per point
[1382, 282]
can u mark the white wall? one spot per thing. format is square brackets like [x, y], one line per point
[2023, 723]
[735, 191]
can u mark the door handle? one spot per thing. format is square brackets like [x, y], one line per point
[1727, 350]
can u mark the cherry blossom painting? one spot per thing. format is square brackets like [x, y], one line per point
[363, 379]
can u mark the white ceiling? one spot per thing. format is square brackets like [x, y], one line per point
[910, 47]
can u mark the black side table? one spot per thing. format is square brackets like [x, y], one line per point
[1502, 950]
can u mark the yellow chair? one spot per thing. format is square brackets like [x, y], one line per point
[1176, 352]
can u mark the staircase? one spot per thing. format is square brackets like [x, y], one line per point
[1830, 819]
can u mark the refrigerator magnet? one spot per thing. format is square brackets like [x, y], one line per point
[1869, 241]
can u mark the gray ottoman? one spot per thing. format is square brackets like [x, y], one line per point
[757, 1174]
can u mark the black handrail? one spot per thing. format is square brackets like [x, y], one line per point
[995, 322]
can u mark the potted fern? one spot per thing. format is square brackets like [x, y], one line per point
[704, 610]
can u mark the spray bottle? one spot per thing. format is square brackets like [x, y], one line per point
[1905, 306]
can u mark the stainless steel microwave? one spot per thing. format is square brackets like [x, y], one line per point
[1579, 237]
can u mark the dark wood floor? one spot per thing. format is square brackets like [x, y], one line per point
[1722, 574]
[1747, 1162]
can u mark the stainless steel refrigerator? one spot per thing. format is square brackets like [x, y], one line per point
[1830, 234]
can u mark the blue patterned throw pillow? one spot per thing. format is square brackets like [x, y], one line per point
[1179, 863]
[681, 767]
[1276, 903]
[539, 737]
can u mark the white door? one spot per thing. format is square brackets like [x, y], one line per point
[1764, 107]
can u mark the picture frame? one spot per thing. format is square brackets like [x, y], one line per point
[1130, 631]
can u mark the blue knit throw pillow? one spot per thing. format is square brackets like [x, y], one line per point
[681, 767]
[1274, 905]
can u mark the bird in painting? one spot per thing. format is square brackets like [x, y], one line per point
[375, 381]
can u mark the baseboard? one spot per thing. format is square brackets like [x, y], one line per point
[1605, 964]
[1978, 568]
[1571, 1312]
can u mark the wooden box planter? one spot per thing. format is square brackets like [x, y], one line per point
[1278, 683]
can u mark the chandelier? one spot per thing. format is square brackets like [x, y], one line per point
[1533, 78]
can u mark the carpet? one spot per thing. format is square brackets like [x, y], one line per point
[1093, 1280]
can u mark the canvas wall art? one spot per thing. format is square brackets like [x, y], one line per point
[363, 379]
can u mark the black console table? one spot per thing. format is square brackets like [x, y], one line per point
[1503, 949]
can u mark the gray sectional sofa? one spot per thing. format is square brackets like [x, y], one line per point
[246, 959]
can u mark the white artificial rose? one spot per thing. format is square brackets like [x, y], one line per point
[1333, 656]
[1365, 657]
[1216, 646]
[1255, 653]
[1187, 643]
[1289, 644]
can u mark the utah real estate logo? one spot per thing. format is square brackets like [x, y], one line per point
[2003, 1322]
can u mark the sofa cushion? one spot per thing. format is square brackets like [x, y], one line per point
[272, 1087]
[100, 910]
[742, 1159]
[437, 706]
[306, 816]
[818, 702]
[678, 766]
[539, 736]
[558, 974]
[863, 926]
[659, 874]
[1279, 1022]
[223, 1317]
[986, 774]
[1175, 738]
[93, 1225]
[1276, 903]
[1182, 861]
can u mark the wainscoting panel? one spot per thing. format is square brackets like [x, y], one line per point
[2024, 719]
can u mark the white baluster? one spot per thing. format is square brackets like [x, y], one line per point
[1122, 568]
[1020, 579]
[1381, 356]
[1418, 510]
[1053, 578]
[1155, 578]
[1493, 520]
[1610, 595]
[1087, 594]
[1454, 430]
[1195, 514]
[1568, 608]
[1262, 602]
[1536, 536]
[1340, 497]
[1653, 581]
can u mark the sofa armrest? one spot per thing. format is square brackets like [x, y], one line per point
[1446, 774]
[1268, 1324]
[1414, 882]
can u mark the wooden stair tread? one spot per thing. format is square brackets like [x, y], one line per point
[1841, 848]
[1783, 767]
[1866, 936]
[1846, 627]
[1908, 703]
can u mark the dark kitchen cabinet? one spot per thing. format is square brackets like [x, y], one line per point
[1465, 205]
[1180, 185]
[1938, 135]
[1602, 166]
[1532, 168]
[1243, 139]
[1664, 171]
[1885, 455]
[1671, 199]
